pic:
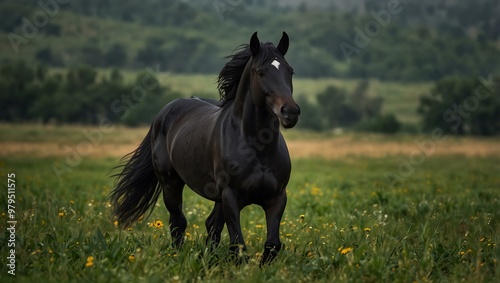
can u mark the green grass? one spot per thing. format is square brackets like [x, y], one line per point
[70, 134]
[441, 224]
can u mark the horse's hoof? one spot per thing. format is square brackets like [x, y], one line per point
[270, 254]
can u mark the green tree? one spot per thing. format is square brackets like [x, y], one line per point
[93, 56]
[366, 106]
[116, 55]
[462, 105]
[334, 107]
[385, 123]
[47, 57]
[310, 117]
[80, 78]
[44, 108]
[18, 90]
[149, 55]
[152, 99]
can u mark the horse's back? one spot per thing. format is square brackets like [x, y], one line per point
[184, 112]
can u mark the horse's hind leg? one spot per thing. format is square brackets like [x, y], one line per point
[172, 186]
[215, 224]
[172, 196]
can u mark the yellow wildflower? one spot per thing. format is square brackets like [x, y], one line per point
[158, 224]
[316, 191]
[345, 251]
[90, 261]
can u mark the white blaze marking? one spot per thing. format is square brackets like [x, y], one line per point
[276, 64]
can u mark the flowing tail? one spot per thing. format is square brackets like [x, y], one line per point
[136, 187]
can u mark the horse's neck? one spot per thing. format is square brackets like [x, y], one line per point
[255, 122]
[243, 92]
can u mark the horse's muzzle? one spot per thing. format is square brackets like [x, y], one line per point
[289, 116]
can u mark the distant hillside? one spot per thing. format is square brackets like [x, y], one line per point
[412, 42]
[448, 16]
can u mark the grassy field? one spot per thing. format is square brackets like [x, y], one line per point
[344, 221]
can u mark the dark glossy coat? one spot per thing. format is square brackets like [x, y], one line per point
[231, 151]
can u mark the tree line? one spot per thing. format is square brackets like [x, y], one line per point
[455, 105]
[79, 95]
[463, 106]
[335, 108]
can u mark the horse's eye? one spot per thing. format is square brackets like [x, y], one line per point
[260, 73]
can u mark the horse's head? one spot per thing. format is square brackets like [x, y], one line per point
[271, 80]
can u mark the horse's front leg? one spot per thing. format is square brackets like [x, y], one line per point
[274, 211]
[231, 208]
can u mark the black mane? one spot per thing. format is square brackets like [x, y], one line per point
[230, 75]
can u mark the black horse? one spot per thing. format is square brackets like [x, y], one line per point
[231, 151]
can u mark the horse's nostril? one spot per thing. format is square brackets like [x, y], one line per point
[283, 110]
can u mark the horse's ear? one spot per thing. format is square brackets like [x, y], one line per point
[254, 44]
[283, 45]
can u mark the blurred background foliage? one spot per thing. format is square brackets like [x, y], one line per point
[51, 72]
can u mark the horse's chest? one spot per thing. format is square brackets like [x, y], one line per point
[261, 177]
[261, 183]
